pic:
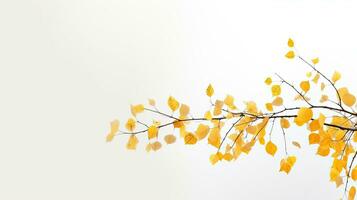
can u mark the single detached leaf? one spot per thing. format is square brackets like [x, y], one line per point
[275, 90]
[271, 148]
[297, 144]
[305, 86]
[290, 55]
[130, 124]
[336, 76]
[173, 103]
[268, 81]
[136, 109]
[190, 139]
[170, 139]
[290, 42]
[132, 142]
[209, 90]
[315, 61]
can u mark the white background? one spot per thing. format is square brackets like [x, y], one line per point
[69, 67]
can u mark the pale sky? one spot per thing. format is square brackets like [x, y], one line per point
[69, 67]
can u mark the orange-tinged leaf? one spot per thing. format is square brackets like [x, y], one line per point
[190, 139]
[271, 148]
[275, 90]
[354, 173]
[170, 139]
[278, 101]
[334, 174]
[305, 86]
[130, 124]
[156, 145]
[323, 98]
[352, 193]
[202, 131]
[132, 142]
[209, 90]
[314, 125]
[228, 156]
[284, 123]
[323, 150]
[314, 138]
[348, 99]
[178, 124]
[269, 106]
[290, 54]
[184, 110]
[173, 103]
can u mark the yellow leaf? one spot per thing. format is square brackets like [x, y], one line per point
[297, 144]
[291, 160]
[148, 148]
[269, 107]
[338, 181]
[305, 86]
[315, 61]
[290, 42]
[278, 101]
[275, 90]
[290, 55]
[284, 123]
[214, 137]
[184, 110]
[352, 193]
[316, 78]
[152, 132]
[209, 90]
[229, 101]
[136, 109]
[271, 148]
[152, 102]
[156, 145]
[114, 128]
[169, 139]
[218, 108]
[208, 115]
[190, 139]
[173, 103]
[354, 173]
[214, 158]
[268, 81]
[336, 76]
[308, 74]
[130, 124]
[202, 131]
[132, 142]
